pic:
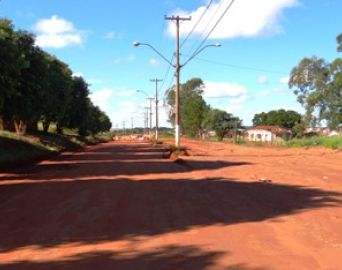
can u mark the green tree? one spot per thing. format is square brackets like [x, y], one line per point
[28, 105]
[193, 108]
[317, 85]
[59, 93]
[339, 42]
[78, 110]
[283, 118]
[12, 62]
[221, 122]
[37, 86]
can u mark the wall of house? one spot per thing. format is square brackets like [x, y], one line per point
[260, 136]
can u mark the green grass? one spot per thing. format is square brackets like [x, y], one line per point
[16, 149]
[21, 149]
[334, 142]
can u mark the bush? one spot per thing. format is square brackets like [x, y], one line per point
[334, 142]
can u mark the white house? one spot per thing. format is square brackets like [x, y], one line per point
[264, 133]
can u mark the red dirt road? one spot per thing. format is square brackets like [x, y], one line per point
[124, 206]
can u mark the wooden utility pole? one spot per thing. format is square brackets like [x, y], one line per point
[178, 67]
[156, 100]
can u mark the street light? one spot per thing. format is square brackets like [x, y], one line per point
[197, 52]
[177, 67]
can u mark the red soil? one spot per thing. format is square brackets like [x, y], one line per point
[124, 206]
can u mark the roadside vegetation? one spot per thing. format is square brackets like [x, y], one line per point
[16, 149]
[36, 87]
[334, 142]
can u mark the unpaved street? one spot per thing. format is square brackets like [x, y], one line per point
[125, 206]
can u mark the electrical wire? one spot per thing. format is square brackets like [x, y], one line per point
[213, 28]
[196, 24]
[209, 22]
[240, 67]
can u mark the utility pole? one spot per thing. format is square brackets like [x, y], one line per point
[144, 122]
[156, 100]
[178, 67]
[123, 127]
[150, 130]
[132, 123]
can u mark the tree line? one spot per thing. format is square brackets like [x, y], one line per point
[38, 87]
[197, 117]
[317, 84]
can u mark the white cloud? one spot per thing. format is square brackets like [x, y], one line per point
[77, 74]
[57, 33]
[264, 93]
[284, 80]
[154, 62]
[112, 35]
[102, 97]
[224, 89]
[245, 18]
[262, 79]
[126, 93]
[129, 59]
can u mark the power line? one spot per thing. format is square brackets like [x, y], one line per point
[241, 67]
[213, 28]
[209, 22]
[198, 21]
[167, 72]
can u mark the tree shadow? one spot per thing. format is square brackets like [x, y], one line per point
[48, 214]
[166, 258]
[111, 160]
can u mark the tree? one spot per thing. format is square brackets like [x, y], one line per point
[283, 118]
[339, 42]
[59, 93]
[12, 62]
[317, 85]
[193, 108]
[78, 110]
[221, 122]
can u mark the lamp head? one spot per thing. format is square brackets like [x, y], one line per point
[136, 43]
[217, 45]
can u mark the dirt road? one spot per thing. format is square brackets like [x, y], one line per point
[124, 206]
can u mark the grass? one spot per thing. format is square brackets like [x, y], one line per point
[22, 149]
[334, 142]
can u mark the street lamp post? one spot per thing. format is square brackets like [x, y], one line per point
[150, 99]
[156, 101]
[177, 67]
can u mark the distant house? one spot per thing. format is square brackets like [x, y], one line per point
[264, 133]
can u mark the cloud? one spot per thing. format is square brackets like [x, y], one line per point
[245, 18]
[126, 93]
[262, 79]
[77, 74]
[264, 93]
[129, 59]
[224, 89]
[57, 33]
[101, 98]
[112, 35]
[154, 62]
[284, 80]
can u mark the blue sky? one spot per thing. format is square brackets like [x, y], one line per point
[261, 42]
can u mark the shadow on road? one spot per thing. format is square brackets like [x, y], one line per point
[112, 160]
[170, 257]
[48, 214]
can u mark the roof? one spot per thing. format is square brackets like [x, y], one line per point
[274, 129]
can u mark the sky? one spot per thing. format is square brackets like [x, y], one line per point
[261, 41]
